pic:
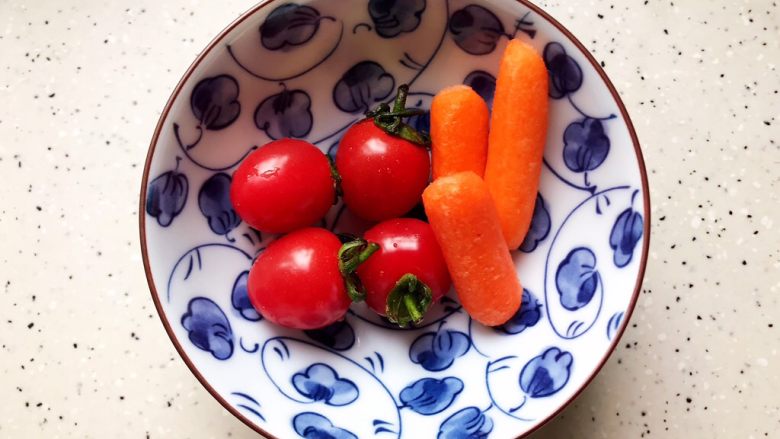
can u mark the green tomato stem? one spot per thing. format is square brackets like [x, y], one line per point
[350, 256]
[391, 120]
[408, 301]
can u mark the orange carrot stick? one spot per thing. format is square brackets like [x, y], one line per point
[518, 129]
[464, 219]
[459, 131]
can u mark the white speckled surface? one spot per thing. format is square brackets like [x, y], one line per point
[84, 355]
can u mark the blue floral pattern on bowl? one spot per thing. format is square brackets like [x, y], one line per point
[309, 69]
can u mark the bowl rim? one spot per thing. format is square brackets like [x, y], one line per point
[249, 13]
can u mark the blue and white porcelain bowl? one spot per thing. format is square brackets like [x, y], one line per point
[309, 70]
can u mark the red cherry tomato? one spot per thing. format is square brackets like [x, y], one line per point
[407, 246]
[283, 186]
[383, 175]
[296, 281]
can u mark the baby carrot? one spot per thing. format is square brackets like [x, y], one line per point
[459, 131]
[464, 219]
[518, 129]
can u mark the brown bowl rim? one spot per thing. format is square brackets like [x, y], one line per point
[250, 12]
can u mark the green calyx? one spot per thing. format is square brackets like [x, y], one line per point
[336, 177]
[390, 120]
[408, 301]
[351, 255]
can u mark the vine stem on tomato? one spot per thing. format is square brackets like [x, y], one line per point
[390, 120]
[408, 301]
[351, 255]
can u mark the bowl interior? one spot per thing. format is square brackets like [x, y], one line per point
[309, 70]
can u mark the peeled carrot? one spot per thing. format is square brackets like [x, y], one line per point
[464, 219]
[518, 130]
[459, 131]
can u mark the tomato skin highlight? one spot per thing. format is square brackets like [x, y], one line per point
[382, 176]
[407, 246]
[283, 186]
[296, 281]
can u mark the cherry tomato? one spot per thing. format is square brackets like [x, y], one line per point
[382, 174]
[407, 246]
[283, 186]
[296, 281]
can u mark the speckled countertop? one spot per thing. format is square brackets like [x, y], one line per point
[83, 354]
